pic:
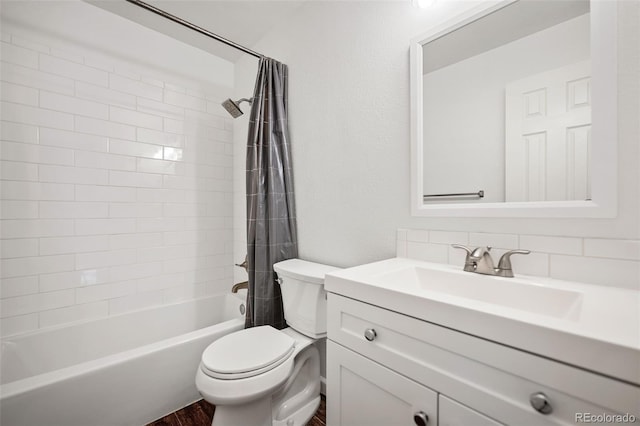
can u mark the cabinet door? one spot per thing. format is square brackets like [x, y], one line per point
[452, 413]
[362, 392]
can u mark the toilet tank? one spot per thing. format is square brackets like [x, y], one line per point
[303, 296]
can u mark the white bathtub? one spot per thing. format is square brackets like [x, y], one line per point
[127, 369]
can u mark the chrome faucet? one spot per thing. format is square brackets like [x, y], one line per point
[244, 284]
[479, 260]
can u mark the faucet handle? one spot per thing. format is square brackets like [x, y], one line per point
[504, 264]
[244, 264]
[468, 265]
[465, 248]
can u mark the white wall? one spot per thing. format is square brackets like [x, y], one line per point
[464, 108]
[349, 122]
[116, 167]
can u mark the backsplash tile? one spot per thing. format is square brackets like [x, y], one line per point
[426, 251]
[607, 262]
[559, 245]
[504, 241]
[417, 235]
[401, 243]
[613, 249]
[593, 270]
[449, 237]
[116, 186]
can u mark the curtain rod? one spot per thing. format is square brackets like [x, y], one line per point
[194, 27]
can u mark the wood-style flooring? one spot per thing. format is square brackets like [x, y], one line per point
[201, 413]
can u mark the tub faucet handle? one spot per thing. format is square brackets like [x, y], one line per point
[244, 264]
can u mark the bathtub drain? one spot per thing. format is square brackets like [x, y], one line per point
[242, 309]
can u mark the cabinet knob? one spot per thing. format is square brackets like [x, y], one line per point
[370, 334]
[540, 403]
[420, 418]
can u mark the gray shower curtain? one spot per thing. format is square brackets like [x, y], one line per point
[271, 218]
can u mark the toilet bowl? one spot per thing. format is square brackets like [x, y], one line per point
[266, 377]
[265, 383]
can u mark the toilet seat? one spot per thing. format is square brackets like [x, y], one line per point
[247, 353]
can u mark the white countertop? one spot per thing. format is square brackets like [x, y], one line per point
[601, 333]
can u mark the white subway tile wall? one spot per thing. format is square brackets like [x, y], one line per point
[601, 261]
[116, 188]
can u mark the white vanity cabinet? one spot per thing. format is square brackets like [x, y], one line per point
[384, 368]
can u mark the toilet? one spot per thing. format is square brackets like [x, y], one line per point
[261, 376]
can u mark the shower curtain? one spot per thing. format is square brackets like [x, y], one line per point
[271, 218]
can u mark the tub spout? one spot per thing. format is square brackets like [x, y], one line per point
[239, 286]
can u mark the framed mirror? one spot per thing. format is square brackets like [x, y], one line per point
[513, 112]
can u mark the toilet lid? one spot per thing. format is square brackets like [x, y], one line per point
[247, 352]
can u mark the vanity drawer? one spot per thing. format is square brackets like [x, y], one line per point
[493, 379]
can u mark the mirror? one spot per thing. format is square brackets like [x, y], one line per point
[512, 112]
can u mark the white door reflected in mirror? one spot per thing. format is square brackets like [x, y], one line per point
[547, 133]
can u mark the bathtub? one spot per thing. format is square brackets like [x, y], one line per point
[127, 369]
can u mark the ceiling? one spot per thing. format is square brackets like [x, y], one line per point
[244, 22]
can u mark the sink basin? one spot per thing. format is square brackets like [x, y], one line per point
[511, 293]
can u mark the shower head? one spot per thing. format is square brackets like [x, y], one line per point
[233, 107]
